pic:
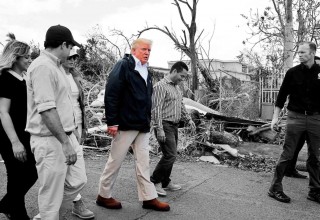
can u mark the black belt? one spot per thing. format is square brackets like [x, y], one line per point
[68, 133]
[308, 112]
[171, 122]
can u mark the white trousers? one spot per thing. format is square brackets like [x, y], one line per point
[119, 148]
[78, 197]
[59, 183]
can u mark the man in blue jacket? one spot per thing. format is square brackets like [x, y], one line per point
[128, 112]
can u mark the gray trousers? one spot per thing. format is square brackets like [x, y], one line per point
[299, 125]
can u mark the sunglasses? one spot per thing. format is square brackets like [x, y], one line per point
[72, 58]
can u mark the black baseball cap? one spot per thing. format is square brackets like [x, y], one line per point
[60, 33]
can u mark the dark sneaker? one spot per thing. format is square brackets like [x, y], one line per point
[280, 196]
[314, 196]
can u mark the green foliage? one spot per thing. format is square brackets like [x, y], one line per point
[95, 57]
[267, 29]
[35, 50]
[156, 75]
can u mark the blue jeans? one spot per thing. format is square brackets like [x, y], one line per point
[299, 125]
[163, 170]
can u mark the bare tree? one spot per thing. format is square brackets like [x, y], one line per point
[278, 28]
[288, 38]
[187, 42]
[10, 37]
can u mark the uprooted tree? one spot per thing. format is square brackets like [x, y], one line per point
[278, 30]
[187, 43]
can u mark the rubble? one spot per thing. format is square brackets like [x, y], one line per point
[210, 159]
[215, 139]
[251, 162]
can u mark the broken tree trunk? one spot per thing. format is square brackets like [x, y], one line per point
[223, 138]
[264, 132]
[207, 77]
[221, 148]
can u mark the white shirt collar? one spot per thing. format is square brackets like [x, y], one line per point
[19, 77]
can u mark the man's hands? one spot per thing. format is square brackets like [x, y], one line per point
[161, 137]
[19, 151]
[69, 153]
[112, 130]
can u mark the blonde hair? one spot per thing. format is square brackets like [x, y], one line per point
[139, 41]
[11, 52]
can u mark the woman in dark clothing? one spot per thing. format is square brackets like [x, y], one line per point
[15, 142]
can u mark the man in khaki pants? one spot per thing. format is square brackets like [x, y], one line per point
[51, 123]
[128, 112]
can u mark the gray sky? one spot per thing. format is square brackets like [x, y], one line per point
[30, 19]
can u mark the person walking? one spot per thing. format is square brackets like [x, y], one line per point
[51, 123]
[302, 84]
[291, 170]
[167, 111]
[15, 147]
[73, 76]
[128, 112]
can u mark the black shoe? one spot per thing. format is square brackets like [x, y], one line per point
[314, 196]
[296, 175]
[280, 196]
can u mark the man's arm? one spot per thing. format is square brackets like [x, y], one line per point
[281, 99]
[275, 117]
[52, 120]
[158, 97]
[185, 116]
[43, 85]
[284, 90]
[112, 97]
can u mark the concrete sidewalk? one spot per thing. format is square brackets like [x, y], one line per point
[209, 192]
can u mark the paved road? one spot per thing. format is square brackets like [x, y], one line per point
[209, 192]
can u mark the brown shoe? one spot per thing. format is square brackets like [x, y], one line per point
[155, 204]
[109, 203]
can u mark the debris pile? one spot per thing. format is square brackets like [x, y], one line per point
[215, 139]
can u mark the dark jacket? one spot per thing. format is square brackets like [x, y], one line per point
[128, 97]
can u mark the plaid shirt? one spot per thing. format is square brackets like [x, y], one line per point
[167, 103]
